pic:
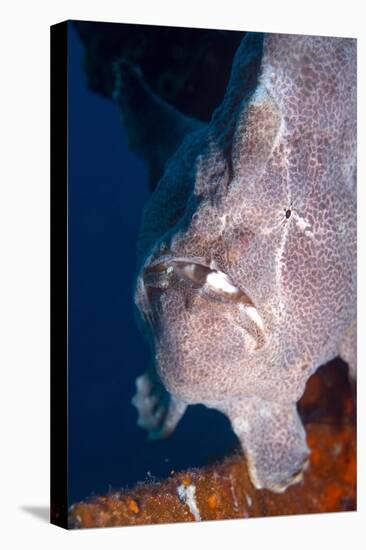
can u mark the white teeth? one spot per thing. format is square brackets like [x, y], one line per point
[254, 315]
[218, 281]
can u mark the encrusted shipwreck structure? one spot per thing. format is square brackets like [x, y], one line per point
[224, 490]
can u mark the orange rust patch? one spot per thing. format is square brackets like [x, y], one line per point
[133, 506]
[186, 481]
[212, 501]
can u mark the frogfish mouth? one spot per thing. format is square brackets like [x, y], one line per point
[201, 286]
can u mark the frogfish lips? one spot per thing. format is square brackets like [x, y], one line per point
[201, 285]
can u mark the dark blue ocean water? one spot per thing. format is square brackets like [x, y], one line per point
[106, 193]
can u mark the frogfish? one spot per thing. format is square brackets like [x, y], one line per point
[247, 275]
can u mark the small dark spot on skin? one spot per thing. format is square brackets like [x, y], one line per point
[288, 213]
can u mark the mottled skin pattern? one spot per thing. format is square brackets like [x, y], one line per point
[263, 199]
